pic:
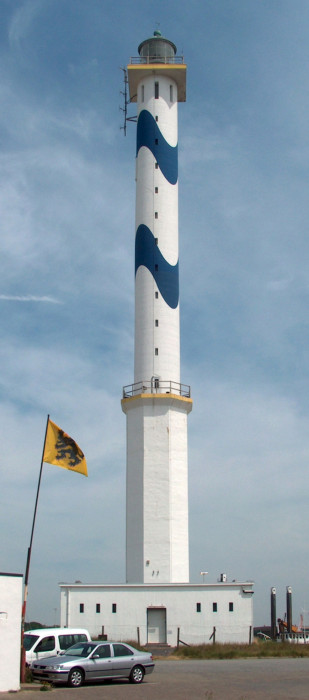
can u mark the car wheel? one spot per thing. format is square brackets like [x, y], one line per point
[137, 674]
[76, 678]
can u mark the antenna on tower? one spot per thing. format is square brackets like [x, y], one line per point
[127, 101]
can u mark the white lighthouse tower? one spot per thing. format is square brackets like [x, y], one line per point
[158, 603]
[157, 403]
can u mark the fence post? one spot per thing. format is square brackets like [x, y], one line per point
[213, 635]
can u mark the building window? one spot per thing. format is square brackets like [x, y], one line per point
[171, 93]
[156, 323]
[156, 214]
[156, 295]
[81, 607]
[143, 94]
[198, 607]
[156, 190]
[114, 607]
[231, 607]
[157, 118]
[156, 90]
[156, 383]
[156, 351]
[156, 166]
[98, 608]
[215, 607]
[156, 241]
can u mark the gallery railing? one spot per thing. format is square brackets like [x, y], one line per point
[156, 386]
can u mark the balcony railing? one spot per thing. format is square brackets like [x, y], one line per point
[156, 386]
[140, 60]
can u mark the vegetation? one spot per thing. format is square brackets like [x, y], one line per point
[136, 645]
[28, 675]
[257, 650]
[33, 626]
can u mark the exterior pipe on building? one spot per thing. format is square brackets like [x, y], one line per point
[289, 608]
[273, 613]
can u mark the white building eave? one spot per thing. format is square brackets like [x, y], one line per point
[158, 586]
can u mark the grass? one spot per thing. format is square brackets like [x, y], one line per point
[258, 650]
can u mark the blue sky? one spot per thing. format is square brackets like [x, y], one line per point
[67, 195]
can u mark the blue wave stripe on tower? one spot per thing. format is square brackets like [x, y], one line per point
[166, 156]
[166, 276]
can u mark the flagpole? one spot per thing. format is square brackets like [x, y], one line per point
[23, 616]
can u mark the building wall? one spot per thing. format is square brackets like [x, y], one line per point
[10, 631]
[157, 489]
[180, 603]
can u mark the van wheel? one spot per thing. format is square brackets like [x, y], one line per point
[76, 678]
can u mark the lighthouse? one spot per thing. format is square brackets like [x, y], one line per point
[157, 603]
[157, 403]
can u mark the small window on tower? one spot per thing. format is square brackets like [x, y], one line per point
[156, 190]
[98, 607]
[114, 607]
[156, 91]
[156, 323]
[198, 607]
[231, 607]
[156, 214]
[81, 607]
[156, 295]
[215, 607]
[156, 351]
[143, 93]
[156, 166]
[171, 93]
[156, 241]
[157, 118]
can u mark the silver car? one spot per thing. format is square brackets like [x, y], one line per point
[93, 661]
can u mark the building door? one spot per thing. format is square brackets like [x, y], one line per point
[156, 625]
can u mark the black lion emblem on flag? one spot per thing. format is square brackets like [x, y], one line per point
[68, 450]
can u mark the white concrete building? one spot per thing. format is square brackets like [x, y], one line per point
[10, 631]
[161, 614]
[158, 604]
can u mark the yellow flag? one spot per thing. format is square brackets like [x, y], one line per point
[61, 450]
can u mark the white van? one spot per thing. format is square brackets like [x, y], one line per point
[51, 641]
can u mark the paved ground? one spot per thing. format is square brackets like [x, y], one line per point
[244, 679]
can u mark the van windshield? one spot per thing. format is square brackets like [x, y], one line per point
[29, 640]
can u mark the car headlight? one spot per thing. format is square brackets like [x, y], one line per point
[56, 667]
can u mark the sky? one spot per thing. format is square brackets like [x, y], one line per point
[67, 208]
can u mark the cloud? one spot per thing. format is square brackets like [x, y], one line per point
[21, 22]
[29, 297]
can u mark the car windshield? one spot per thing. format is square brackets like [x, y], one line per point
[29, 640]
[80, 649]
